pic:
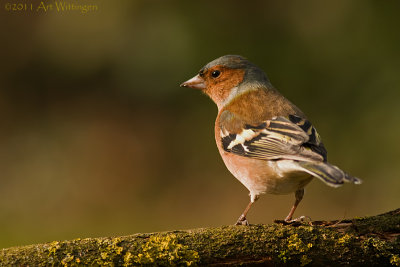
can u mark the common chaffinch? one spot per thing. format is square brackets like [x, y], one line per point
[265, 141]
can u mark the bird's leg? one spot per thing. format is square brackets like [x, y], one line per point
[299, 196]
[242, 219]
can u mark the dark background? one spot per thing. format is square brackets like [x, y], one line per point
[98, 139]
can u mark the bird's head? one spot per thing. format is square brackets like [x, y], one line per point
[227, 77]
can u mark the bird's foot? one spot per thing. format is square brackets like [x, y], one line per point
[299, 219]
[242, 220]
[295, 222]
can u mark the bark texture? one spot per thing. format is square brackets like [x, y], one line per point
[361, 241]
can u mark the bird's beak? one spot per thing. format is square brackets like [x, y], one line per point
[196, 82]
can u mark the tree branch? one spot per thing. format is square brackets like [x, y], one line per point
[361, 241]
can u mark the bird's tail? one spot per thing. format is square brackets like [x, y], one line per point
[328, 173]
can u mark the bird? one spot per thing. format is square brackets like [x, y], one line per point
[265, 141]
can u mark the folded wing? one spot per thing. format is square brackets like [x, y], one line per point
[291, 138]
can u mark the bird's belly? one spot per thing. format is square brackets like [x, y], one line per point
[272, 177]
[288, 183]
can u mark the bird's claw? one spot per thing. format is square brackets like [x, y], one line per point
[242, 220]
[300, 219]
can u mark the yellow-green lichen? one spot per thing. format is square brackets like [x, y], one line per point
[381, 249]
[163, 251]
[128, 259]
[54, 246]
[359, 244]
[296, 246]
[304, 260]
[343, 242]
[67, 259]
[344, 239]
[376, 246]
[395, 260]
[109, 250]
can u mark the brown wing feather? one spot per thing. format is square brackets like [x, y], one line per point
[288, 138]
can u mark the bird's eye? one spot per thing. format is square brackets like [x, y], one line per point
[215, 73]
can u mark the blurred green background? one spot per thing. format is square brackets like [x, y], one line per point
[98, 139]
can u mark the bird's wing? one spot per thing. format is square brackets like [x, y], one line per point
[289, 137]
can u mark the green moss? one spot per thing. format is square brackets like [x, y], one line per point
[295, 244]
[100, 251]
[128, 259]
[304, 260]
[395, 260]
[67, 259]
[381, 249]
[387, 222]
[376, 244]
[303, 244]
[53, 247]
[343, 240]
[274, 244]
[164, 251]
[109, 250]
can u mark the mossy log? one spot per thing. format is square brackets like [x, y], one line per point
[361, 241]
